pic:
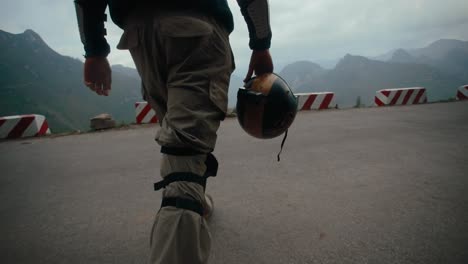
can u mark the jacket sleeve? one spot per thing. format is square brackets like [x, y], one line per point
[257, 17]
[91, 17]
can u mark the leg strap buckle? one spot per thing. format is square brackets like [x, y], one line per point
[211, 170]
[180, 176]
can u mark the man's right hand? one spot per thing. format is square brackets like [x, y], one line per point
[97, 75]
[260, 63]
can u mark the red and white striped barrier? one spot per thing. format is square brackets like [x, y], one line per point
[462, 93]
[401, 96]
[317, 101]
[23, 126]
[144, 113]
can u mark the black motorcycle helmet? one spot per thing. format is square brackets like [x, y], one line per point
[266, 106]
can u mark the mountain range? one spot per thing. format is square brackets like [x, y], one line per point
[440, 67]
[36, 79]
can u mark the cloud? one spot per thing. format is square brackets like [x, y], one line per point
[302, 29]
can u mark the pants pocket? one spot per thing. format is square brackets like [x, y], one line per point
[186, 42]
[219, 88]
[129, 39]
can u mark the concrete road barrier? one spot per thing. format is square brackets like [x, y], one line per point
[144, 113]
[316, 101]
[23, 126]
[462, 93]
[401, 96]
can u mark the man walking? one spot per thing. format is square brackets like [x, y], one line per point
[181, 50]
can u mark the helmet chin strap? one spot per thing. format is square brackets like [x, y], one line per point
[282, 144]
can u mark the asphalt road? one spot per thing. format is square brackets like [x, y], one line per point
[377, 185]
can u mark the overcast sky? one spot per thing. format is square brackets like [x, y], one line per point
[316, 30]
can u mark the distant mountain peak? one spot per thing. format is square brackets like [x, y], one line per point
[401, 56]
[301, 71]
[438, 49]
[29, 35]
[36, 79]
[352, 60]
[443, 42]
[32, 34]
[354, 57]
[28, 41]
[303, 64]
[32, 37]
[302, 67]
[399, 52]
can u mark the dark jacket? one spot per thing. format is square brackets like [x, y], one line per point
[91, 17]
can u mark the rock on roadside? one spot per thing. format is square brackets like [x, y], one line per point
[102, 121]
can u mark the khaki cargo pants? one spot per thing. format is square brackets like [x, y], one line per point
[185, 62]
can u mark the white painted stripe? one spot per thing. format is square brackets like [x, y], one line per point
[382, 97]
[298, 98]
[11, 117]
[402, 96]
[423, 97]
[413, 96]
[407, 88]
[33, 128]
[463, 90]
[141, 105]
[318, 101]
[302, 100]
[9, 124]
[40, 121]
[139, 108]
[391, 96]
[332, 101]
[307, 94]
[148, 116]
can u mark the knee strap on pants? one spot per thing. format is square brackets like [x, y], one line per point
[184, 203]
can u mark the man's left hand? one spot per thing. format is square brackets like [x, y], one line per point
[260, 63]
[97, 75]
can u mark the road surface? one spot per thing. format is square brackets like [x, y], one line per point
[375, 185]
